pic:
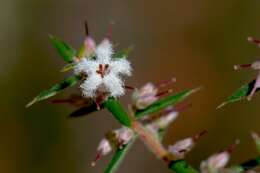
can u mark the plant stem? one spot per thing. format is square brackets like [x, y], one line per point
[117, 110]
[152, 143]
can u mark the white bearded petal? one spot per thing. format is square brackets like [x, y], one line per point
[121, 66]
[86, 66]
[90, 85]
[104, 52]
[114, 85]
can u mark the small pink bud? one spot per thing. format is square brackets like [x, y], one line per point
[182, 147]
[215, 162]
[167, 119]
[90, 47]
[90, 43]
[103, 149]
[145, 96]
[124, 135]
[218, 161]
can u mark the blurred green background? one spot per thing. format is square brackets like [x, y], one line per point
[198, 42]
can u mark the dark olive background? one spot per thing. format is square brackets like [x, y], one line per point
[196, 41]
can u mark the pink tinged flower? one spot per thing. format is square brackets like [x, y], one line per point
[166, 120]
[145, 96]
[90, 47]
[124, 135]
[103, 149]
[103, 74]
[150, 93]
[182, 147]
[215, 162]
[218, 161]
[255, 66]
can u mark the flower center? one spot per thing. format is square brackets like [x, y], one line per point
[102, 69]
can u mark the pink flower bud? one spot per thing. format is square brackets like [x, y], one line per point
[165, 120]
[145, 96]
[103, 149]
[180, 148]
[215, 162]
[124, 135]
[90, 46]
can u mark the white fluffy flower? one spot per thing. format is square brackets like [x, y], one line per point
[103, 74]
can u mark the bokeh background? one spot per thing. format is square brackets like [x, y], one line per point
[198, 42]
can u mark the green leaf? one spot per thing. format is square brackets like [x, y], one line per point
[239, 94]
[68, 67]
[70, 81]
[86, 110]
[165, 102]
[123, 53]
[118, 157]
[117, 111]
[181, 166]
[65, 51]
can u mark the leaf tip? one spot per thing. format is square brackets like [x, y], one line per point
[221, 105]
[30, 103]
[197, 89]
[50, 36]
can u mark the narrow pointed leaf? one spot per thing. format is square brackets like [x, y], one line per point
[84, 111]
[117, 111]
[239, 94]
[68, 82]
[123, 53]
[68, 67]
[64, 50]
[165, 102]
[118, 157]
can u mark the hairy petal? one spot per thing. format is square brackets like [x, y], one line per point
[114, 85]
[87, 66]
[90, 85]
[121, 66]
[104, 51]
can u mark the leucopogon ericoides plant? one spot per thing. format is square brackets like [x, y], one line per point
[100, 72]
